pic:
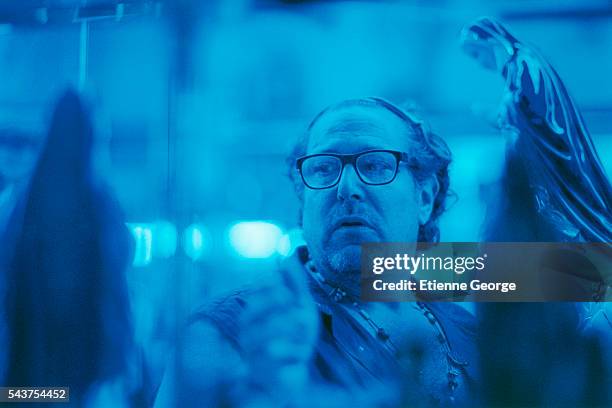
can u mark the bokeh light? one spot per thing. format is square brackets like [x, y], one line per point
[196, 241]
[255, 239]
[143, 240]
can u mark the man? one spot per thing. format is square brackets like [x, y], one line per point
[365, 171]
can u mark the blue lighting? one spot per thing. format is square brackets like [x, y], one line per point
[255, 239]
[195, 239]
[143, 239]
[289, 241]
[164, 244]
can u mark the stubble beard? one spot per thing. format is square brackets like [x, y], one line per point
[341, 268]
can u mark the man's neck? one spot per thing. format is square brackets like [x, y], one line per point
[346, 282]
[349, 285]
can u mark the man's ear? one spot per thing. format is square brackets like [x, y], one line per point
[428, 191]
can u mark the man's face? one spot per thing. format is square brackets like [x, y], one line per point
[338, 219]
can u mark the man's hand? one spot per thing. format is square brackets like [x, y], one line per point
[278, 330]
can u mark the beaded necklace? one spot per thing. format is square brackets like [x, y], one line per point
[339, 296]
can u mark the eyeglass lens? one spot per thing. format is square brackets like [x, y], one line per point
[372, 167]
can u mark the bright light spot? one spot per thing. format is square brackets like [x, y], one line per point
[255, 239]
[284, 245]
[194, 241]
[289, 242]
[143, 239]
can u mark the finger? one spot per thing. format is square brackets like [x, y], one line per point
[270, 291]
[297, 325]
[279, 352]
[294, 277]
[261, 307]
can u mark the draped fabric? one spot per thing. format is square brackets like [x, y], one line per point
[551, 149]
[67, 302]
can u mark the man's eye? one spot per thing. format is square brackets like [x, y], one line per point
[322, 168]
[376, 165]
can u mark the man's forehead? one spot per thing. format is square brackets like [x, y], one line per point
[373, 127]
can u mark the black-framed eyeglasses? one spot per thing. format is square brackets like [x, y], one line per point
[373, 167]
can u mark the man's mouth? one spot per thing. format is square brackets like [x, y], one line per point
[352, 222]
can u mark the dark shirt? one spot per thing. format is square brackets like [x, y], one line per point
[351, 356]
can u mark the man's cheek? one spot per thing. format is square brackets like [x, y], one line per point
[398, 221]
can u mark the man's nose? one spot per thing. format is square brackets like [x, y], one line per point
[350, 187]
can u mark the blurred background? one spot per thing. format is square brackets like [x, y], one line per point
[196, 105]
